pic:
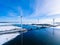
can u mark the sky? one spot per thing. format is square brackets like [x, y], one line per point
[31, 10]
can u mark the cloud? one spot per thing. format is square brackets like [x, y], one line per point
[57, 19]
[47, 7]
[20, 11]
[44, 8]
[53, 7]
[12, 14]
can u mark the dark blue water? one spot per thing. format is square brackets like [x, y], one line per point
[34, 36]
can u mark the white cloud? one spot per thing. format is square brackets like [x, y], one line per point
[49, 7]
[53, 7]
[35, 21]
[57, 19]
[20, 11]
[12, 14]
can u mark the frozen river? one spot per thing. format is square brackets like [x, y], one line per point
[33, 36]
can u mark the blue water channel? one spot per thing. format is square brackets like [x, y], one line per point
[35, 36]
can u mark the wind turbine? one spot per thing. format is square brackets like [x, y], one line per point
[53, 25]
[20, 15]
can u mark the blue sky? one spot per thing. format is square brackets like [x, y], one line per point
[11, 6]
[10, 10]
